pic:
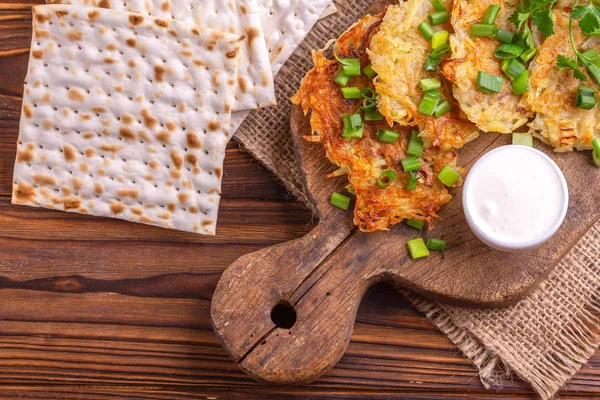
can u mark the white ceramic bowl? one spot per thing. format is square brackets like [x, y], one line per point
[482, 230]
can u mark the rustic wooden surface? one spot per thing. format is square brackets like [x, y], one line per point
[93, 308]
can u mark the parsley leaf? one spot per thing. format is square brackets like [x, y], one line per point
[563, 62]
[543, 20]
[540, 13]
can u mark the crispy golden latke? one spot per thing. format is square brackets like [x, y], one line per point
[365, 159]
[492, 112]
[552, 92]
[398, 53]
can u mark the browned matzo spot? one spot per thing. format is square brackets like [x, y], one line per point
[85, 117]
[47, 124]
[231, 54]
[149, 120]
[117, 208]
[172, 32]
[127, 119]
[47, 98]
[218, 172]
[40, 179]
[66, 190]
[62, 14]
[104, 4]
[171, 125]
[136, 19]
[111, 47]
[195, 31]
[132, 63]
[251, 33]
[164, 215]
[171, 207]
[214, 126]
[93, 15]
[76, 95]
[75, 35]
[176, 159]
[193, 209]
[154, 164]
[193, 141]
[242, 84]
[175, 174]
[98, 188]
[131, 42]
[69, 153]
[83, 167]
[113, 148]
[90, 152]
[161, 23]
[159, 73]
[77, 183]
[207, 222]
[137, 211]
[134, 194]
[127, 134]
[71, 202]
[41, 34]
[37, 54]
[165, 6]
[88, 135]
[215, 79]
[183, 197]
[164, 137]
[198, 63]
[243, 9]
[99, 109]
[191, 158]
[41, 18]
[27, 110]
[146, 219]
[110, 61]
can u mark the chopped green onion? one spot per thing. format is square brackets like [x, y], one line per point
[429, 84]
[417, 248]
[411, 184]
[387, 136]
[431, 63]
[527, 55]
[415, 144]
[410, 164]
[369, 71]
[512, 68]
[340, 201]
[448, 176]
[439, 17]
[415, 223]
[596, 158]
[428, 103]
[504, 36]
[368, 93]
[369, 104]
[373, 115]
[442, 108]
[483, 30]
[585, 98]
[522, 139]
[596, 145]
[491, 14]
[351, 66]
[353, 126]
[341, 78]
[437, 244]
[520, 41]
[351, 92]
[488, 82]
[438, 5]
[507, 50]
[438, 39]
[351, 190]
[521, 84]
[594, 71]
[426, 30]
[386, 178]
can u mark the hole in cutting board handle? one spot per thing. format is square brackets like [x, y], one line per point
[283, 315]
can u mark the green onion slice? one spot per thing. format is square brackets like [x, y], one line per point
[429, 84]
[351, 66]
[369, 104]
[426, 30]
[373, 115]
[448, 176]
[341, 78]
[522, 139]
[512, 68]
[507, 50]
[387, 136]
[415, 223]
[442, 108]
[585, 98]
[410, 164]
[431, 63]
[369, 71]
[386, 178]
[411, 184]
[438, 39]
[415, 144]
[351, 92]
[491, 14]
[428, 103]
[368, 93]
[521, 84]
[438, 17]
[417, 248]
[594, 71]
[437, 244]
[438, 5]
[488, 82]
[340, 201]
[483, 30]
[504, 36]
[596, 158]
[353, 126]
[596, 145]
[527, 55]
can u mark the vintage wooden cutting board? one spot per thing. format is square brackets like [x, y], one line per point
[286, 313]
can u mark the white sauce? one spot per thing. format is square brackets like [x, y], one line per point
[516, 196]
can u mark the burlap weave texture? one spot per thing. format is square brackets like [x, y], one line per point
[544, 339]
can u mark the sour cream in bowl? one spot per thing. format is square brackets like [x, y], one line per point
[515, 198]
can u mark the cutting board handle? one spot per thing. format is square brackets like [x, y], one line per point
[276, 316]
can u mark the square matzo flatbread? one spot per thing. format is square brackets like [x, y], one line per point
[254, 85]
[125, 116]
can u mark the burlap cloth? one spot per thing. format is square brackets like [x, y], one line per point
[544, 339]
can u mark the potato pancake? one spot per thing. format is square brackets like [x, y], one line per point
[491, 112]
[365, 159]
[398, 53]
[552, 91]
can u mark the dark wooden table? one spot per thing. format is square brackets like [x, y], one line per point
[93, 308]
